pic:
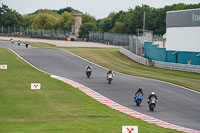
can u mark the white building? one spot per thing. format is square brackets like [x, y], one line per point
[183, 30]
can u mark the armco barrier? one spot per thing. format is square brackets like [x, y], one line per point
[134, 57]
[177, 66]
[159, 64]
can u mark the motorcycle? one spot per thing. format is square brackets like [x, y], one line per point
[12, 41]
[26, 45]
[109, 78]
[138, 99]
[152, 104]
[89, 72]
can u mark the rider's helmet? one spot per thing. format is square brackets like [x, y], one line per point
[153, 93]
[140, 89]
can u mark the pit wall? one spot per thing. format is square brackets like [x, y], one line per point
[161, 54]
[161, 64]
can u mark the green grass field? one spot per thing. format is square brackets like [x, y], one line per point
[56, 108]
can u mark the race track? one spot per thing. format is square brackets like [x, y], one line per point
[176, 105]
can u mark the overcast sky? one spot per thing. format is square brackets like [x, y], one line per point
[96, 8]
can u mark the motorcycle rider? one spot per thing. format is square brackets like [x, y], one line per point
[12, 41]
[153, 94]
[138, 91]
[88, 68]
[18, 42]
[26, 44]
[110, 72]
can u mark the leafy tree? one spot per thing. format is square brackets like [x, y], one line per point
[105, 24]
[10, 17]
[45, 21]
[67, 9]
[85, 28]
[136, 20]
[133, 19]
[28, 20]
[111, 15]
[86, 18]
[52, 12]
[66, 21]
[120, 22]
[119, 27]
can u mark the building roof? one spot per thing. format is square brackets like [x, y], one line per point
[184, 10]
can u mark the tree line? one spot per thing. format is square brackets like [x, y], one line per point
[123, 22]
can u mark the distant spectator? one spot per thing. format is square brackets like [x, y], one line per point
[189, 62]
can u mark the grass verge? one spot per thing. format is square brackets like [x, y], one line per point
[56, 108]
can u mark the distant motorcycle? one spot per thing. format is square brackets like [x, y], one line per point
[152, 103]
[89, 72]
[109, 78]
[138, 99]
[26, 45]
[12, 41]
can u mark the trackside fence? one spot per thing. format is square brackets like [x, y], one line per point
[176, 66]
[56, 34]
[134, 57]
[159, 64]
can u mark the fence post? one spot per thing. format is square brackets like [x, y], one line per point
[136, 46]
[20, 30]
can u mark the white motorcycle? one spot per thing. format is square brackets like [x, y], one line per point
[152, 104]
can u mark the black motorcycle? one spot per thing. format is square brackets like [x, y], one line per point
[26, 45]
[89, 72]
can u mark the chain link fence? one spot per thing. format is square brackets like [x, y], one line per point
[35, 33]
[133, 43]
[117, 39]
[109, 38]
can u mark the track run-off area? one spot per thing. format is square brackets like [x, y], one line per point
[176, 105]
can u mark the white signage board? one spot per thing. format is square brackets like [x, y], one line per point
[3, 66]
[35, 86]
[129, 129]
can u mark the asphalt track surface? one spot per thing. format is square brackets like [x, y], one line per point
[175, 105]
